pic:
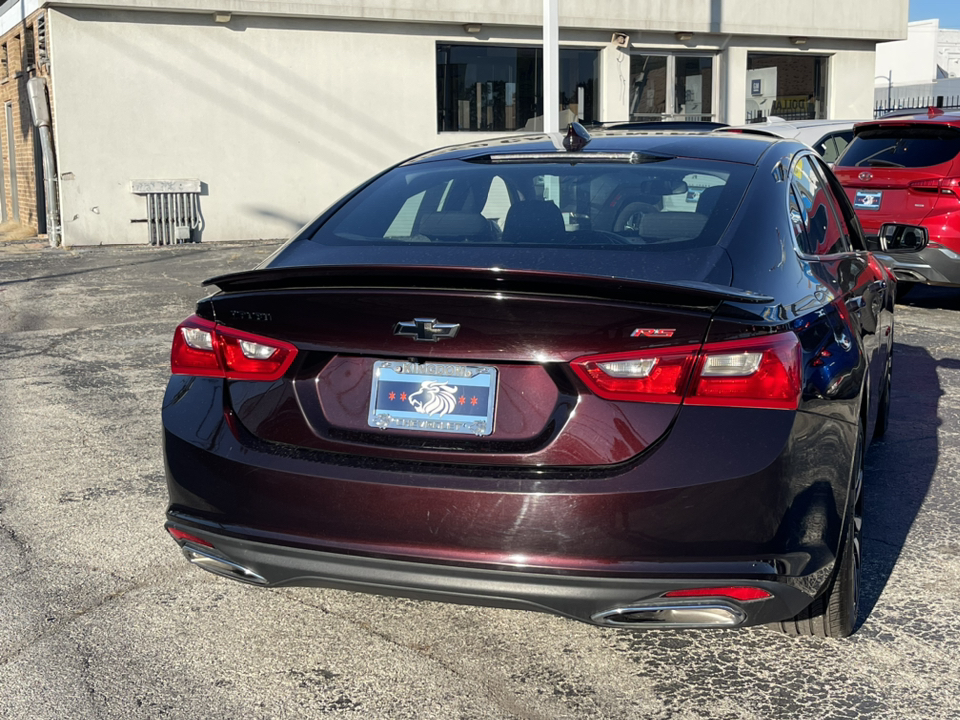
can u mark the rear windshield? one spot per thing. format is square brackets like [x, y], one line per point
[670, 203]
[908, 147]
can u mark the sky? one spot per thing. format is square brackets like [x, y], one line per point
[947, 10]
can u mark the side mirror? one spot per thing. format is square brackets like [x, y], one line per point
[896, 238]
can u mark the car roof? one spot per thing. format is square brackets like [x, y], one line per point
[738, 148]
[933, 116]
[792, 128]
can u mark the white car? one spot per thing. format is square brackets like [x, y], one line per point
[827, 137]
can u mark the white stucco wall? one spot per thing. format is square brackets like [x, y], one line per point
[878, 20]
[277, 117]
[280, 115]
[910, 61]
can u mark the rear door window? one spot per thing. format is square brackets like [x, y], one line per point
[818, 230]
[901, 146]
[831, 146]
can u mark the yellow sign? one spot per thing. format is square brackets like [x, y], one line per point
[791, 104]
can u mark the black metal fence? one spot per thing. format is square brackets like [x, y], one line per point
[915, 103]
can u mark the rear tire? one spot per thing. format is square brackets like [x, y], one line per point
[833, 614]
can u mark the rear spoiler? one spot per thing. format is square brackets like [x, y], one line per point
[695, 294]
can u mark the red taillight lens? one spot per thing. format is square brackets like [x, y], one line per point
[759, 372]
[204, 348]
[744, 594]
[649, 376]
[943, 186]
[181, 536]
[195, 350]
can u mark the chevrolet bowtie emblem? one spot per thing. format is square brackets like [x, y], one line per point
[426, 329]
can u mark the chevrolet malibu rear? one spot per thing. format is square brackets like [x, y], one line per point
[906, 169]
[599, 382]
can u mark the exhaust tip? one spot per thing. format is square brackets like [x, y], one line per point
[222, 566]
[715, 615]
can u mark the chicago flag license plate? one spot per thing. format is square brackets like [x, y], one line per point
[433, 397]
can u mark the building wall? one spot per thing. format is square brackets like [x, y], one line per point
[24, 59]
[279, 115]
[885, 19]
[910, 61]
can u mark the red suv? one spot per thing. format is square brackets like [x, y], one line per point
[906, 169]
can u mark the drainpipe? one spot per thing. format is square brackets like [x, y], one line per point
[40, 111]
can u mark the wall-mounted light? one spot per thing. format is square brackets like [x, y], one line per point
[683, 36]
[472, 28]
[221, 17]
[798, 40]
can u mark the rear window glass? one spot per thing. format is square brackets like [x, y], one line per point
[909, 147]
[671, 203]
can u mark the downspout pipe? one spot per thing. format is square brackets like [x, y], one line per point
[40, 112]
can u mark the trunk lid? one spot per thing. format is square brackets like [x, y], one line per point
[506, 366]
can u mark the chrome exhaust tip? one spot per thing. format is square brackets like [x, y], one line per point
[713, 615]
[221, 566]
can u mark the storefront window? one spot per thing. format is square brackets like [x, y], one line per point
[792, 87]
[671, 87]
[493, 89]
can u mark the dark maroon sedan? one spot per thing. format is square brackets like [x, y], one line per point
[628, 379]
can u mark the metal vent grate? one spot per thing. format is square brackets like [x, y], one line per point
[173, 210]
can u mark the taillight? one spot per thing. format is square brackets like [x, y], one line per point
[760, 372]
[647, 376]
[739, 592]
[943, 186]
[181, 536]
[757, 372]
[202, 347]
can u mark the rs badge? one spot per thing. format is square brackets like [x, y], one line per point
[653, 332]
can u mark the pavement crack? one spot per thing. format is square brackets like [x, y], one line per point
[497, 694]
[148, 580]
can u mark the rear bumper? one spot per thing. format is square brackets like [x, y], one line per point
[592, 599]
[736, 497]
[930, 266]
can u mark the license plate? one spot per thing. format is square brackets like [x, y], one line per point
[432, 397]
[868, 199]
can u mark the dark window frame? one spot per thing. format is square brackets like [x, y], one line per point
[525, 99]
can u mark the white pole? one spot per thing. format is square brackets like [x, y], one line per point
[551, 67]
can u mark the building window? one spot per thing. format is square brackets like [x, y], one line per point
[493, 89]
[4, 63]
[792, 87]
[671, 87]
[29, 48]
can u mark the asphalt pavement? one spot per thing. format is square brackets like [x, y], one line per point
[101, 618]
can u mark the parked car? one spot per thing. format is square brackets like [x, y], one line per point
[828, 137]
[541, 376]
[906, 169]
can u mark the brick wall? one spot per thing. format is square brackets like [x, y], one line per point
[23, 55]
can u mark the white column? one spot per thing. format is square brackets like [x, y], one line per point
[551, 67]
[733, 90]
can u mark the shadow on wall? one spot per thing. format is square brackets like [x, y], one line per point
[294, 223]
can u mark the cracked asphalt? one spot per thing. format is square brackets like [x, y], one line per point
[100, 617]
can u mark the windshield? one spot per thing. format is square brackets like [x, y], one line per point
[902, 147]
[670, 203]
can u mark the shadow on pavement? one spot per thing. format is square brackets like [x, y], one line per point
[926, 296]
[900, 468]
